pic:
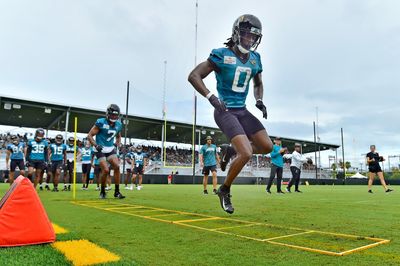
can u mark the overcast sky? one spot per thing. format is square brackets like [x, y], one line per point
[340, 55]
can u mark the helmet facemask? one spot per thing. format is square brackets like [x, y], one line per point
[59, 139]
[247, 37]
[113, 113]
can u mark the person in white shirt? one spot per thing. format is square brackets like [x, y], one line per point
[295, 167]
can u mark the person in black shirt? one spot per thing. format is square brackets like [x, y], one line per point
[374, 168]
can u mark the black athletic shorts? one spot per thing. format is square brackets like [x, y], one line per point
[96, 169]
[100, 155]
[207, 169]
[237, 121]
[17, 163]
[37, 164]
[375, 169]
[56, 165]
[86, 168]
[129, 170]
[138, 170]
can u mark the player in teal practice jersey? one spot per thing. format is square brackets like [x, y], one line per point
[107, 130]
[87, 154]
[96, 171]
[58, 158]
[139, 162]
[36, 155]
[234, 66]
[208, 160]
[15, 152]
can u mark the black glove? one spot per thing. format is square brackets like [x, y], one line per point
[260, 105]
[98, 148]
[217, 103]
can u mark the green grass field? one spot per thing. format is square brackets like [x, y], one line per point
[141, 241]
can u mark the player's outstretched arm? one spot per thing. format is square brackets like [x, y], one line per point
[259, 93]
[197, 75]
[8, 154]
[93, 132]
[196, 79]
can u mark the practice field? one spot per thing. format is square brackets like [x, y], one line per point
[177, 225]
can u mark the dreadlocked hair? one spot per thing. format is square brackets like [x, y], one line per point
[229, 43]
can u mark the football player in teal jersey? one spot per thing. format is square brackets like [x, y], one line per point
[234, 66]
[15, 152]
[107, 132]
[87, 155]
[58, 158]
[139, 162]
[36, 155]
[208, 157]
[69, 165]
[96, 171]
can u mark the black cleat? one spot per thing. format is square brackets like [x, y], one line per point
[118, 195]
[102, 195]
[370, 191]
[65, 189]
[226, 153]
[54, 190]
[215, 191]
[225, 200]
[268, 191]
[298, 191]
[280, 192]
[205, 192]
[388, 190]
[47, 187]
[288, 190]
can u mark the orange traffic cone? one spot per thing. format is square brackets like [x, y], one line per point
[23, 220]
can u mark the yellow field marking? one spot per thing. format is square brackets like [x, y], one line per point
[347, 252]
[123, 208]
[198, 220]
[285, 236]
[165, 214]
[84, 252]
[58, 229]
[315, 250]
[188, 223]
[235, 226]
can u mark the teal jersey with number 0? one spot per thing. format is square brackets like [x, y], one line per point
[107, 133]
[233, 75]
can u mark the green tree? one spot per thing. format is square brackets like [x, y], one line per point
[334, 167]
[347, 165]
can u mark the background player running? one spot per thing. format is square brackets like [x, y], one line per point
[96, 172]
[106, 131]
[36, 155]
[87, 153]
[128, 166]
[139, 162]
[208, 160]
[15, 152]
[58, 157]
[234, 66]
[69, 166]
